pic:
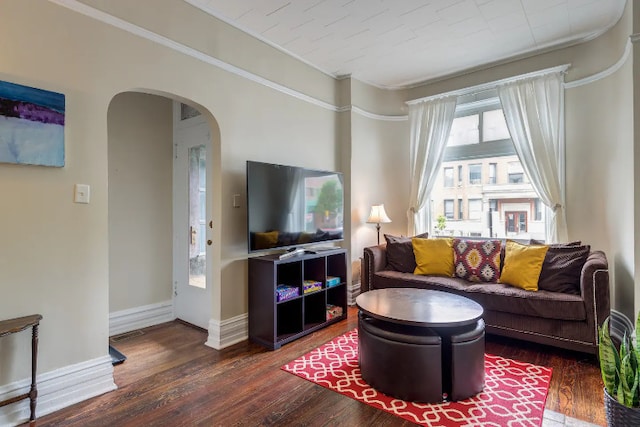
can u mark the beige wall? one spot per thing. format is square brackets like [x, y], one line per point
[55, 254]
[600, 171]
[140, 136]
[55, 257]
[380, 170]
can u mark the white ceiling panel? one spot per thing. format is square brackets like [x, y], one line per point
[396, 43]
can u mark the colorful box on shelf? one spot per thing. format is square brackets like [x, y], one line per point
[284, 292]
[332, 281]
[333, 311]
[311, 286]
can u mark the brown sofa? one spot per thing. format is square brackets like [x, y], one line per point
[567, 320]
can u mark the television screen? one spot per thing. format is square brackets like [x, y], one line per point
[290, 206]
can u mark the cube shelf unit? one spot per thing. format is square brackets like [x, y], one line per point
[273, 323]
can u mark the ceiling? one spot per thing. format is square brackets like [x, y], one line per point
[398, 43]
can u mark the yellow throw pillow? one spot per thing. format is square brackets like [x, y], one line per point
[266, 240]
[522, 265]
[433, 256]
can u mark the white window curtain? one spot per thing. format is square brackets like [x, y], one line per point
[430, 123]
[534, 111]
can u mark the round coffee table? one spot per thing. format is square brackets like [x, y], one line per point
[421, 345]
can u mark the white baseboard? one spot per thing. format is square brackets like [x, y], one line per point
[72, 384]
[228, 332]
[221, 333]
[58, 389]
[140, 317]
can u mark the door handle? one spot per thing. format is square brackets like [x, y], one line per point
[209, 242]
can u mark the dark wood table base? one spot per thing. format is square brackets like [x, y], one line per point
[12, 326]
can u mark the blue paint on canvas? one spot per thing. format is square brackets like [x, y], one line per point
[31, 125]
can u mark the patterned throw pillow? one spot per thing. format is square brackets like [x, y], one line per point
[477, 260]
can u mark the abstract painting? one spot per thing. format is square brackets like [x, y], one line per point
[31, 126]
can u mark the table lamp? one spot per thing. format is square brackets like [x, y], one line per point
[377, 216]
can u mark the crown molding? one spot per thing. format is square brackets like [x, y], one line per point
[216, 14]
[186, 50]
[608, 71]
[374, 116]
[136, 30]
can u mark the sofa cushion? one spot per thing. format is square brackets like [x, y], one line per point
[433, 256]
[562, 268]
[522, 265]
[400, 252]
[477, 260]
[509, 299]
[497, 297]
[395, 279]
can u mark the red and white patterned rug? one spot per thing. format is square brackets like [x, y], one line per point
[514, 392]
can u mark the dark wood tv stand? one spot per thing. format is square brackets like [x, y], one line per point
[273, 323]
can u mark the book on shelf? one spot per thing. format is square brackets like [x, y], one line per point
[284, 292]
[332, 281]
[311, 286]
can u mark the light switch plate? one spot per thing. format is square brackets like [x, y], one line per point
[236, 200]
[81, 193]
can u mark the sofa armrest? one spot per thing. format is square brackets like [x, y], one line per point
[374, 259]
[594, 287]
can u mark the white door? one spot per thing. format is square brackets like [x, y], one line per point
[192, 225]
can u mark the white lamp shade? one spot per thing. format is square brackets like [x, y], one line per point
[378, 215]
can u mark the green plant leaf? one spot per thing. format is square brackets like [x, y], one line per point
[609, 360]
[628, 378]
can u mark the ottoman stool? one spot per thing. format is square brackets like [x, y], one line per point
[401, 361]
[467, 362]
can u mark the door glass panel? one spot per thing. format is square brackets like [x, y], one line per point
[197, 216]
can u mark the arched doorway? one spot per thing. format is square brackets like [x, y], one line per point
[142, 150]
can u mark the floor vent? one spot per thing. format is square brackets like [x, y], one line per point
[126, 336]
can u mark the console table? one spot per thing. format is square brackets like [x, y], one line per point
[12, 326]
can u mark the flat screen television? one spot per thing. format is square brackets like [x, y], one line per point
[292, 207]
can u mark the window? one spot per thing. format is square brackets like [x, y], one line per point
[494, 126]
[480, 151]
[475, 174]
[448, 177]
[448, 209]
[465, 130]
[493, 169]
[475, 209]
[516, 174]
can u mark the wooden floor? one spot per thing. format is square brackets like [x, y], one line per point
[172, 379]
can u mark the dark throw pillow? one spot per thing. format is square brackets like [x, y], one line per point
[562, 268]
[400, 255]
